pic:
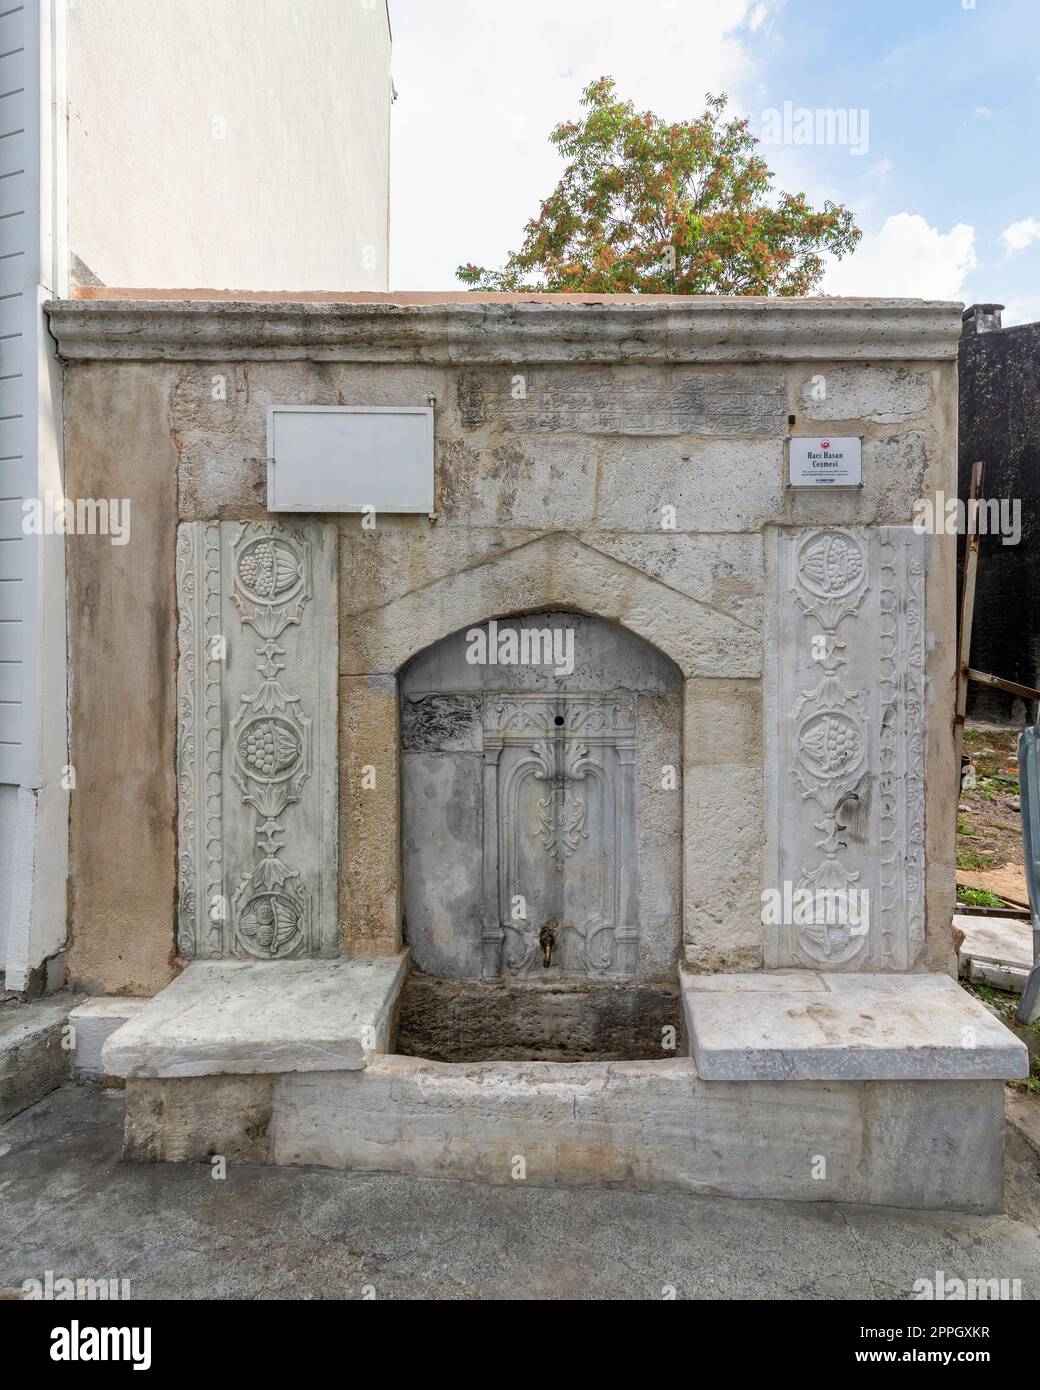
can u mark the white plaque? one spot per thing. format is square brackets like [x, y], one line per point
[826, 460]
[339, 458]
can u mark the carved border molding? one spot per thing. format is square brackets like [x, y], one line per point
[199, 742]
[473, 330]
[845, 713]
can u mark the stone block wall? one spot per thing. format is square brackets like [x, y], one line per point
[571, 438]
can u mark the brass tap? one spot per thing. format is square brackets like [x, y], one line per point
[547, 941]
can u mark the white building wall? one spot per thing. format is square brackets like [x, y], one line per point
[230, 144]
[33, 268]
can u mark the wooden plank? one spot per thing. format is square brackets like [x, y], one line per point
[12, 30]
[1027, 692]
[11, 680]
[13, 271]
[10, 599]
[11, 560]
[12, 72]
[12, 113]
[11, 723]
[11, 477]
[12, 435]
[12, 641]
[10, 394]
[11, 519]
[971, 565]
[14, 195]
[12, 153]
[13, 233]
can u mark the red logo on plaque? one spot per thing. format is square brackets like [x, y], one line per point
[825, 443]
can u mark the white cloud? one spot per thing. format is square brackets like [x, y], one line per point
[880, 169]
[1020, 235]
[908, 258]
[1025, 310]
[985, 111]
[482, 85]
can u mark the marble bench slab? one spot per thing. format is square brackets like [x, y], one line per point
[998, 950]
[252, 1017]
[801, 1025]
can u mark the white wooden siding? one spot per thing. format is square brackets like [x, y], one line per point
[18, 273]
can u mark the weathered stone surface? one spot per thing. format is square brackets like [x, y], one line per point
[94, 1023]
[722, 723]
[645, 1124]
[465, 1021]
[713, 484]
[654, 1126]
[996, 949]
[865, 1027]
[191, 1121]
[650, 1125]
[1023, 1111]
[370, 825]
[442, 724]
[257, 1017]
[883, 395]
[723, 572]
[577, 401]
[722, 897]
[543, 484]
[554, 572]
[404, 554]
[911, 1130]
[33, 1060]
[122, 684]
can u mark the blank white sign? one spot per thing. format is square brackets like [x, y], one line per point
[340, 458]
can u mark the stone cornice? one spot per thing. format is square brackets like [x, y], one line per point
[480, 332]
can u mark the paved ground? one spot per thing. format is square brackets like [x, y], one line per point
[69, 1206]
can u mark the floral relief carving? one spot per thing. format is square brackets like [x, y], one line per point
[270, 734]
[254, 736]
[849, 702]
[831, 728]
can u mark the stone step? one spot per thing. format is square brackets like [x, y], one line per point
[649, 1126]
[94, 1022]
[998, 950]
[33, 1060]
[256, 1017]
[805, 1025]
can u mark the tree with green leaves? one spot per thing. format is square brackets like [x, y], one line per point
[649, 207]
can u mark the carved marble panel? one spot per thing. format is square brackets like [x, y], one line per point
[560, 835]
[845, 749]
[257, 740]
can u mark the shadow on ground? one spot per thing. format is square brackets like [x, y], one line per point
[69, 1206]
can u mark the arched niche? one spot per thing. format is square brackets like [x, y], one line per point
[540, 785]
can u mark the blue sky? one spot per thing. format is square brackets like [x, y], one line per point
[946, 187]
